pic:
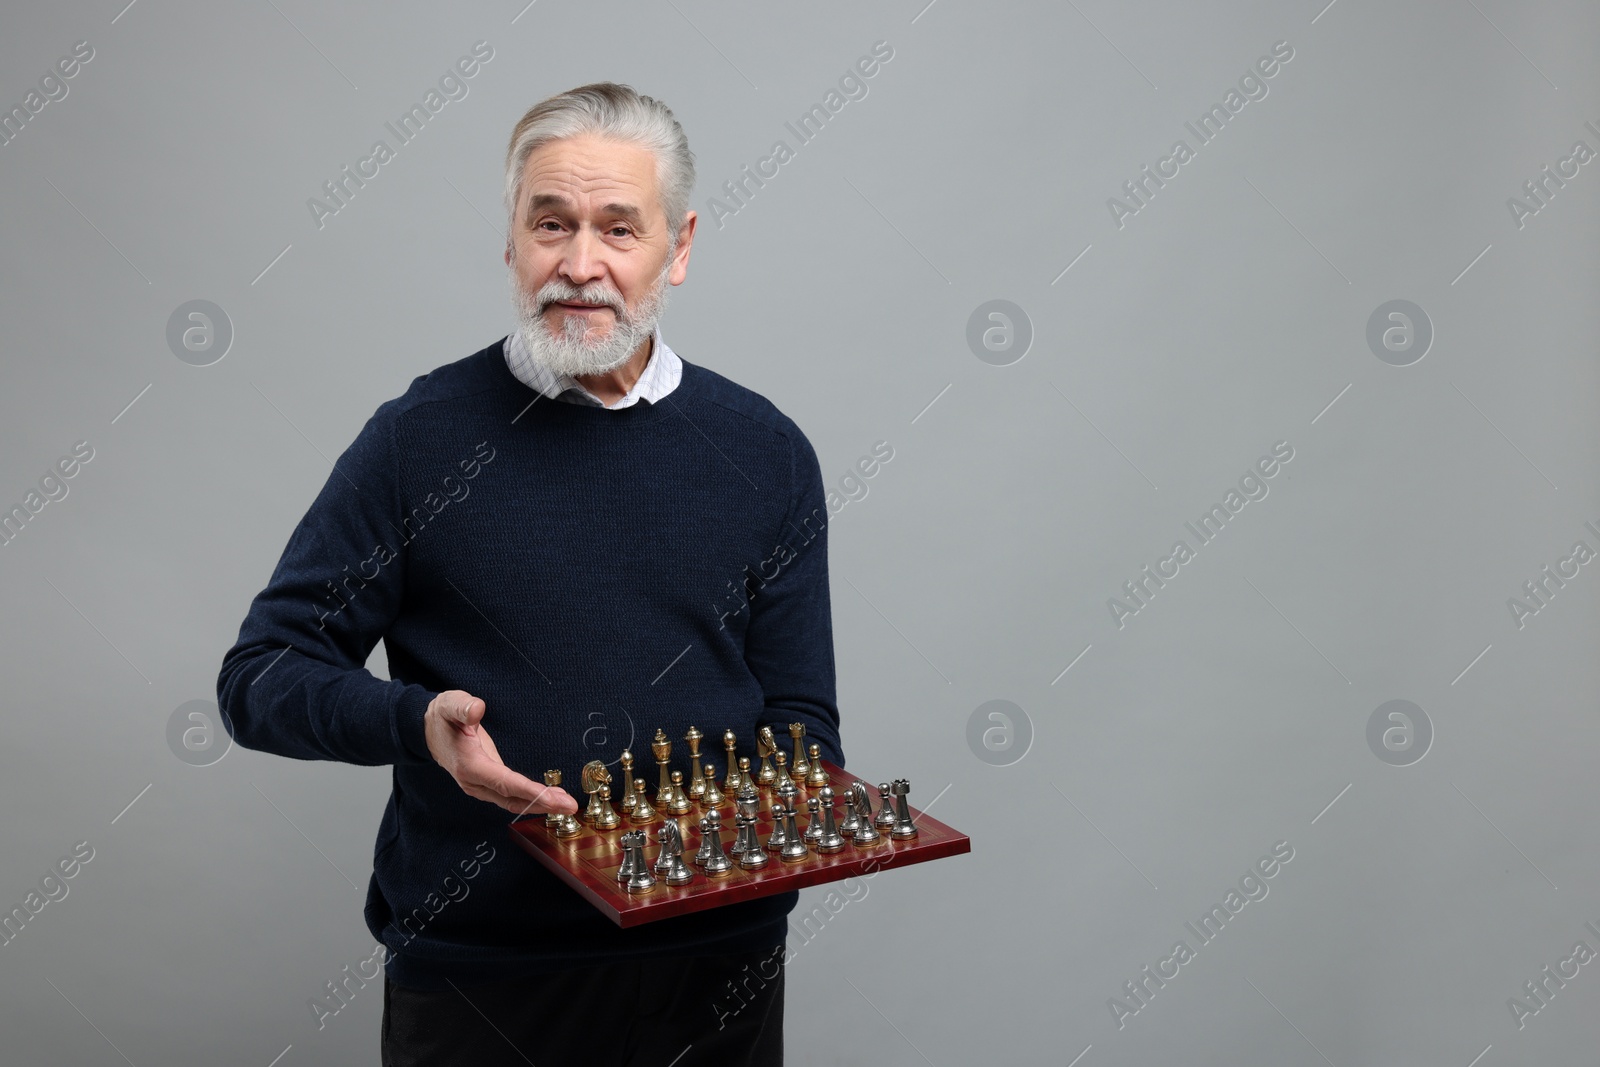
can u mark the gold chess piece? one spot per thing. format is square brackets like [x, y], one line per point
[797, 730]
[730, 742]
[783, 770]
[816, 776]
[712, 799]
[766, 745]
[697, 780]
[597, 783]
[642, 811]
[552, 819]
[745, 777]
[678, 804]
[662, 748]
[628, 801]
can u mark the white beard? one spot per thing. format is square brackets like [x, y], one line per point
[579, 348]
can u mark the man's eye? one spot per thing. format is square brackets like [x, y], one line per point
[625, 231]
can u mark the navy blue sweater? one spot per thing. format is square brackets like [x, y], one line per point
[592, 574]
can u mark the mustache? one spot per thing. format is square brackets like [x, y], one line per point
[549, 295]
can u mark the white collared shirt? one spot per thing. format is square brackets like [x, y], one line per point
[662, 373]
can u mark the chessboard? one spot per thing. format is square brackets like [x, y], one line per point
[589, 862]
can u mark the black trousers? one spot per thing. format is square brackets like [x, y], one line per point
[722, 1011]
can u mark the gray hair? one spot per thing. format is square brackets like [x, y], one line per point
[616, 112]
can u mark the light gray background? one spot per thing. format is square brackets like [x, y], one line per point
[1227, 315]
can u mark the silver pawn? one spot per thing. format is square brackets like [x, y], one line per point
[829, 840]
[717, 860]
[884, 820]
[794, 845]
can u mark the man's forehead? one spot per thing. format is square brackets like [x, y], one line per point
[591, 168]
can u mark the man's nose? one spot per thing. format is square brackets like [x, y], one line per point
[582, 263]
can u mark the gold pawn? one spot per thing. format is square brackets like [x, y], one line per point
[797, 730]
[744, 774]
[627, 782]
[730, 742]
[782, 772]
[713, 797]
[697, 781]
[607, 819]
[642, 811]
[816, 776]
[679, 802]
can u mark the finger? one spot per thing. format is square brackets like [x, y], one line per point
[520, 789]
[550, 802]
[463, 710]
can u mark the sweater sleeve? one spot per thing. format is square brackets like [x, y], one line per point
[295, 683]
[789, 642]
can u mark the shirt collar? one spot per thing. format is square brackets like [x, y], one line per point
[662, 372]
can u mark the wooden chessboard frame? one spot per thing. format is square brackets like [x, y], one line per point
[589, 862]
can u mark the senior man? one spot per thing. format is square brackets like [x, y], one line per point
[566, 540]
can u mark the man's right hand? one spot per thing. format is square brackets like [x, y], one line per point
[460, 745]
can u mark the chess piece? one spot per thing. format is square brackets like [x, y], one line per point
[816, 777]
[903, 826]
[608, 819]
[596, 782]
[552, 819]
[797, 730]
[628, 798]
[569, 827]
[783, 770]
[884, 820]
[744, 772]
[640, 879]
[766, 745]
[664, 833]
[696, 776]
[730, 742]
[752, 857]
[713, 798]
[679, 802]
[852, 819]
[777, 839]
[717, 861]
[865, 833]
[830, 840]
[813, 833]
[670, 861]
[642, 811]
[625, 871]
[794, 845]
[662, 748]
[697, 781]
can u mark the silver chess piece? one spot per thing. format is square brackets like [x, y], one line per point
[814, 824]
[865, 832]
[716, 861]
[639, 879]
[884, 820]
[671, 838]
[776, 839]
[747, 844]
[903, 826]
[852, 819]
[794, 845]
[830, 840]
